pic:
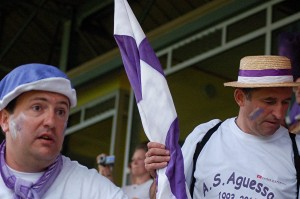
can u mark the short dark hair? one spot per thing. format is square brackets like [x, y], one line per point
[10, 107]
[248, 92]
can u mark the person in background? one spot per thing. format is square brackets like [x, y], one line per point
[293, 116]
[289, 46]
[140, 178]
[105, 165]
[248, 156]
[35, 102]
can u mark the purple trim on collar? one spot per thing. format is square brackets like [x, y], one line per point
[23, 188]
[267, 72]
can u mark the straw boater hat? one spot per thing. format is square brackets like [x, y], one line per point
[35, 77]
[264, 71]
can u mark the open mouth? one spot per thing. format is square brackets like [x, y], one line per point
[45, 137]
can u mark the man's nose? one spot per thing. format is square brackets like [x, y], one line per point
[279, 111]
[49, 119]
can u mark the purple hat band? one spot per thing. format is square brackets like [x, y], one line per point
[35, 77]
[264, 71]
[265, 76]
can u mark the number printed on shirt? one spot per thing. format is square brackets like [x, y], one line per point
[224, 195]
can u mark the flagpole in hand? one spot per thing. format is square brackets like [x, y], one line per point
[153, 97]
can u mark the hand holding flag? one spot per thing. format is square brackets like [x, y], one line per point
[153, 98]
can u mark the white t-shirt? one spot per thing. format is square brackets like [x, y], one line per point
[140, 191]
[234, 164]
[74, 182]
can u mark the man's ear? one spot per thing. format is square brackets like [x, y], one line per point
[239, 97]
[4, 115]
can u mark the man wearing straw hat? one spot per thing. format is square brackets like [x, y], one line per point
[248, 156]
[35, 101]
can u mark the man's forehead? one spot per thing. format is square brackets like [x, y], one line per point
[274, 89]
[274, 92]
[37, 94]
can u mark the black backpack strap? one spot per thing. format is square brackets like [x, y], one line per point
[296, 160]
[199, 147]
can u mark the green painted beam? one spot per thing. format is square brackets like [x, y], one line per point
[203, 21]
[90, 71]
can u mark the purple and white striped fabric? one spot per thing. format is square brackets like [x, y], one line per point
[154, 100]
[27, 190]
[265, 76]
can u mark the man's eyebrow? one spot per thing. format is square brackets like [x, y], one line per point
[46, 100]
[274, 98]
[270, 98]
[65, 103]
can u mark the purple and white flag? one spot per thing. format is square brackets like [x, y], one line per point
[154, 100]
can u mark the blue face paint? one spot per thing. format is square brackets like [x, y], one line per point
[256, 113]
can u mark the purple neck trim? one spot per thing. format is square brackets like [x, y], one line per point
[26, 190]
[267, 72]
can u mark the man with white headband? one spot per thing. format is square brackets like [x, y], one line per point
[248, 156]
[35, 101]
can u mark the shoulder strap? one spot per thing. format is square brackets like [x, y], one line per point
[199, 148]
[296, 160]
[206, 137]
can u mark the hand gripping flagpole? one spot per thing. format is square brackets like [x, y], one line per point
[153, 97]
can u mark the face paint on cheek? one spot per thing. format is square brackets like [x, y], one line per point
[14, 127]
[254, 114]
[15, 124]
